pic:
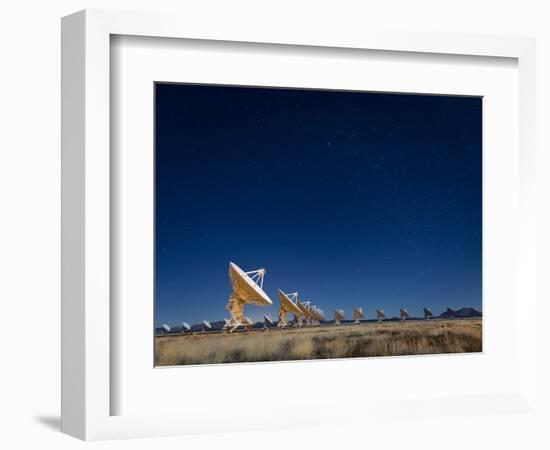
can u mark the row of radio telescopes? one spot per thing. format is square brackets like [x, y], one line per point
[248, 289]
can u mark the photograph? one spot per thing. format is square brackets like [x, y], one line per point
[297, 224]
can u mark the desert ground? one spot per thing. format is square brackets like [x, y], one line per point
[329, 341]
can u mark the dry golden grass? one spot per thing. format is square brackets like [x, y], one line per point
[344, 341]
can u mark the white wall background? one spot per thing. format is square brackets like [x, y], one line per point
[30, 208]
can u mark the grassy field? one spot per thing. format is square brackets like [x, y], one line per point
[343, 341]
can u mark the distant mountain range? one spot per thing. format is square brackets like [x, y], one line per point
[462, 313]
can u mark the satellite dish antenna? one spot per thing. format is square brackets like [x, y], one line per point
[317, 315]
[358, 314]
[166, 328]
[247, 289]
[287, 305]
[267, 322]
[206, 326]
[185, 327]
[321, 315]
[313, 314]
[338, 316]
[305, 313]
[404, 314]
[380, 314]
[451, 312]
[308, 313]
[427, 313]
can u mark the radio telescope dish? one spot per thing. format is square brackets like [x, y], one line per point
[166, 328]
[321, 314]
[305, 312]
[206, 325]
[247, 286]
[317, 315]
[358, 314]
[185, 327]
[380, 314]
[427, 313]
[312, 314]
[338, 316]
[308, 313]
[404, 314]
[247, 289]
[287, 305]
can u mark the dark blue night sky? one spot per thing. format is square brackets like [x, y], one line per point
[349, 198]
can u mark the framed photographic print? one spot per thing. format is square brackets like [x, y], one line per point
[250, 208]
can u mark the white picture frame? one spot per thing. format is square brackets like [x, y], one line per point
[86, 220]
